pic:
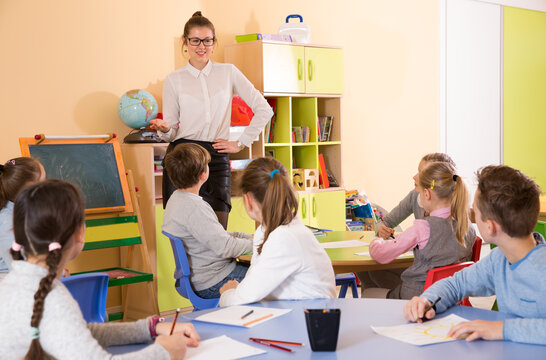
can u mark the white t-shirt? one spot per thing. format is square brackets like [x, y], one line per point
[292, 266]
[197, 104]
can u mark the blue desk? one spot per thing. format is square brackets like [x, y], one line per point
[357, 340]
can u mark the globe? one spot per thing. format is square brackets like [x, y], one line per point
[136, 108]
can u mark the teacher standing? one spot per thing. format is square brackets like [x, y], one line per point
[197, 109]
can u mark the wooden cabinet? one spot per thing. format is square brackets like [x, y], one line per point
[275, 67]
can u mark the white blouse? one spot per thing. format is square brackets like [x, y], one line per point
[292, 266]
[197, 104]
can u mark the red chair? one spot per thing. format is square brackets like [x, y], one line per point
[446, 271]
[477, 249]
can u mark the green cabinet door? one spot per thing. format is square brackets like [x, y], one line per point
[283, 68]
[238, 218]
[323, 71]
[327, 210]
[303, 208]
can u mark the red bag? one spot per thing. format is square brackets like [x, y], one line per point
[241, 113]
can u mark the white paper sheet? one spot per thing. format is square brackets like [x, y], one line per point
[231, 315]
[429, 332]
[367, 253]
[343, 244]
[221, 348]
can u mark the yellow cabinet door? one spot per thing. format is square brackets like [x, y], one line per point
[324, 71]
[327, 210]
[238, 218]
[303, 208]
[283, 68]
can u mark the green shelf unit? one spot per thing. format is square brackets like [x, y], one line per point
[305, 157]
[304, 113]
[281, 153]
[115, 316]
[282, 131]
[112, 243]
[136, 277]
[111, 232]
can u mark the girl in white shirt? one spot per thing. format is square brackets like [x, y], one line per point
[197, 108]
[38, 316]
[287, 262]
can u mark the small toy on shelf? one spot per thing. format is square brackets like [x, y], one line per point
[305, 179]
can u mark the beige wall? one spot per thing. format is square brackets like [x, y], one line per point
[65, 63]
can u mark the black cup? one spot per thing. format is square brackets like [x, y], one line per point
[322, 328]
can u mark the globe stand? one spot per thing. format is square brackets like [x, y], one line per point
[142, 136]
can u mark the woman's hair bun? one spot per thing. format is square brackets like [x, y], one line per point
[197, 13]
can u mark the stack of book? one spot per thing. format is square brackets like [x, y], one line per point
[300, 134]
[158, 160]
[259, 36]
[269, 131]
[324, 127]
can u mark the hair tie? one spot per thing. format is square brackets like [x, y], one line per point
[11, 162]
[273, 173]
[54, 246]
[15, 246]
[34, 333]
[432, 185]
[455, 177]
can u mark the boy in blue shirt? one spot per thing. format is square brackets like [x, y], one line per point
[506, 207]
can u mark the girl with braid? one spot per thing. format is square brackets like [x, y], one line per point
[15, 174]
[38, 316]
[287, 262]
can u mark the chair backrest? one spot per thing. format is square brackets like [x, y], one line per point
[441, 272]
[182, 275]
[89, 290]
[477, 249]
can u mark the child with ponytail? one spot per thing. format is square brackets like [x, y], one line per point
[442, 238]
[287, 262]
[38, 317]
[15, 174]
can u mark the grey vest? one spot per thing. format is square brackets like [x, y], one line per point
[442, 249]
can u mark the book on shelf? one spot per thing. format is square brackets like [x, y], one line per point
[323, 177]
[324, 125]
[269, 131]
[300, 134]
[261, 36]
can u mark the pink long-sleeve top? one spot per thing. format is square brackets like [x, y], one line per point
[385, 251]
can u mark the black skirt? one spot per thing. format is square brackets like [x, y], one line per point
[217, 189]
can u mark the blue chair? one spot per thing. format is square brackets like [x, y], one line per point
[89, 290]
[346, 280]
[182, 276]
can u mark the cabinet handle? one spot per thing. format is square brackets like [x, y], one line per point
[314, 207]
[310, 70]
[303, 208]
[300, 69]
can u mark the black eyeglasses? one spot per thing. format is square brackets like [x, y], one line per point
[197, 41]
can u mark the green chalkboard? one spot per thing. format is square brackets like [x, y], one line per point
[92, 167]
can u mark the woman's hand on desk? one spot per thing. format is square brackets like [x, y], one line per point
[487, 330]
[160, 124]
[415, 309]
[231, 284]
[385, 232]
[190, 334]
[224, 146]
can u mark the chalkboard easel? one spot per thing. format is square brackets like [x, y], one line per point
[94, 163]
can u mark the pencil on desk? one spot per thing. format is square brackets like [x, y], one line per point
[258, 319]
[174, 321]
[248, 313]
[278, 341]
[271, 345]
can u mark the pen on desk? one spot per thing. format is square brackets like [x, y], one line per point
[258, 319]
[278, 341]
[270, 345]
[174, 321]
[430, 307]
[248, 313]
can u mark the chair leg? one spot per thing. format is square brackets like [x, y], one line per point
[343, 291]
[354, 289]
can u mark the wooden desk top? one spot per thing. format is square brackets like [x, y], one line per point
[344, 259]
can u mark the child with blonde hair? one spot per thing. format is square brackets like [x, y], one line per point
[288, 262]
[442, 238]
[15, 174]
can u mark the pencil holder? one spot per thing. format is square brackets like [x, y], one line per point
[322, 328]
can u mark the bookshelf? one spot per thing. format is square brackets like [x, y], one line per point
[307, 82]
